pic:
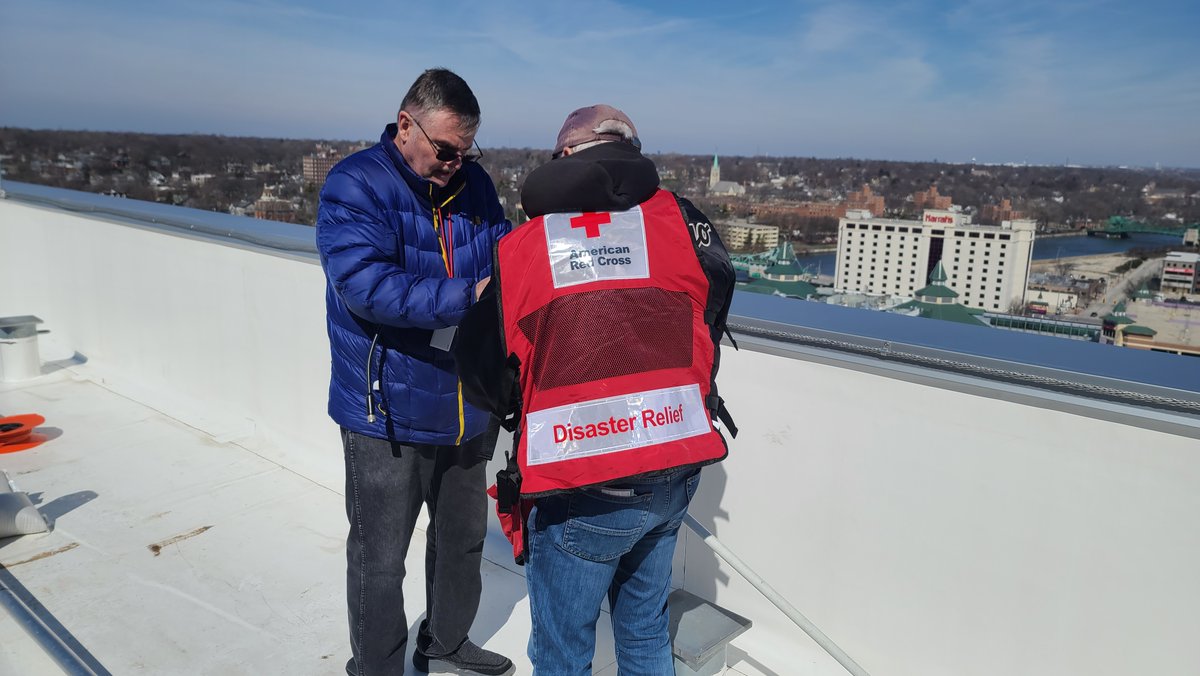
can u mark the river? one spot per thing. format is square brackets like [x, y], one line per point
[1043, 248]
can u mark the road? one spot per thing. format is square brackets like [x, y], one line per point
[1115, 291]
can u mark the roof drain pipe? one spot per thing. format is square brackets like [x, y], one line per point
[66, 658]
[18, 516]
[774, 597]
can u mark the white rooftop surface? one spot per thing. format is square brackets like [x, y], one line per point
[173, 553]
[931, 521]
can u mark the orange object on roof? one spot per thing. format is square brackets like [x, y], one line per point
[16, 432]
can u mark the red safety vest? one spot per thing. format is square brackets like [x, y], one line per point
[605, 312]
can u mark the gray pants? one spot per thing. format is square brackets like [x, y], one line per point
[386, 484]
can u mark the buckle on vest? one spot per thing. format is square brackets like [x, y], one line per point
[508, 486]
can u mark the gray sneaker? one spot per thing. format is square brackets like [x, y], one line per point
[468, 659]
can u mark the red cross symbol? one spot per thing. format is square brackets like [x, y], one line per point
[591, 223]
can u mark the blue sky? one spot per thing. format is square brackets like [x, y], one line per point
[1000, 81]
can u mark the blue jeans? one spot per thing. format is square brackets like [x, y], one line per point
[616, 540]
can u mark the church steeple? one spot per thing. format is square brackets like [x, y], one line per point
[714, 175]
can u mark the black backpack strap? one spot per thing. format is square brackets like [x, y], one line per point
[510, 393]
[717, 406]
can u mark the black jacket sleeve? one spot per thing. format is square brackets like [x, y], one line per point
[715, 262]
[717, 266]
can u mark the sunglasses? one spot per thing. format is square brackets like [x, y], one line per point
[444, 154]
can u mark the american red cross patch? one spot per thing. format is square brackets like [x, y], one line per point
[593, 246]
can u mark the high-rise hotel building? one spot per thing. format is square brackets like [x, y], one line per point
[987, 265]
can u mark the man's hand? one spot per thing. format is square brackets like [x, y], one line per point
[480, 286]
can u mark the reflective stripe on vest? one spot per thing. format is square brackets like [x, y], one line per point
[615, 424]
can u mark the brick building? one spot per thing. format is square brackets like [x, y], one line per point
[316, 166]
[998, 213]
[865, 200]
[930, 199]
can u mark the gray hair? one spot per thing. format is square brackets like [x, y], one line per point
[616, 127]
[440, 89]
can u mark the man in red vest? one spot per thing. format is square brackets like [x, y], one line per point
[598, 341]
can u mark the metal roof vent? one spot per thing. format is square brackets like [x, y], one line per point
[19, 359]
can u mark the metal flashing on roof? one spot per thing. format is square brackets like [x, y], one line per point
[268, 236]
[1135, 377]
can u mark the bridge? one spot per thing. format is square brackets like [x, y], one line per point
[1119, 226]
[780, 255]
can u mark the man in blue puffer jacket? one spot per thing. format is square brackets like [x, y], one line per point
[406, 230]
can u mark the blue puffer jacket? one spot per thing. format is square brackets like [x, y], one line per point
[388, 289]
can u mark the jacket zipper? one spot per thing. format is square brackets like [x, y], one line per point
[445, 238]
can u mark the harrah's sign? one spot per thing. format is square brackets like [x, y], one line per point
[940, 218]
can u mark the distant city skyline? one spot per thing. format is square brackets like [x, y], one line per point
[1093, 83]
